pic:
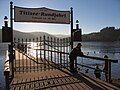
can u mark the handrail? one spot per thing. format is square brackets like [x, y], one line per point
[107, 70]
[99, 58]
[91, 57]
[53, 51]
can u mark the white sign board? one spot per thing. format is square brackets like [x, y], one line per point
[42, 15]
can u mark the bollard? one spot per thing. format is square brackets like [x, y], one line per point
[7, 80]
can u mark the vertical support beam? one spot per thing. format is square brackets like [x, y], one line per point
[11, 25]
[11, 15]
[71, 28]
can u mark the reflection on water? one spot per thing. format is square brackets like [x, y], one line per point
[37, 50]
[99, 49]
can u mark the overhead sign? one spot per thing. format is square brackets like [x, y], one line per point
[42, 15]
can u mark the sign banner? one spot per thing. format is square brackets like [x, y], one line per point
[42, 15]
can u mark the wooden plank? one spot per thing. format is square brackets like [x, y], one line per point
[54, 79]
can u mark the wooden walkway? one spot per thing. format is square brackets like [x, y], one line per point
[53, 79]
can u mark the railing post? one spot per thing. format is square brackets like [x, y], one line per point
[40, 48]
[54, 50]
[48, 53]
[40, 51]
[61, 59]
[44, 52]
[37, 52]
[61, 52]
[27, 52]
[30, 54]
[67, 52]
[33, 47]
[44, 47]
[22, 50]
[58, 47]
[64, 60]
[51, 41]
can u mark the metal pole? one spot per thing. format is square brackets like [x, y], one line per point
[71, 28]
[11, 25]
[11, 21]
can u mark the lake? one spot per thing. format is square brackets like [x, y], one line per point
[3, 48]
[98, 49]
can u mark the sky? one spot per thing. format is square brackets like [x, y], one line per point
[93, 15]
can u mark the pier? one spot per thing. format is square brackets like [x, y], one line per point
[43, 64]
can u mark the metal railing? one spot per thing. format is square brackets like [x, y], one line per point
[37, 54]
[41, 51]
[106, 69]
[45, 53]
